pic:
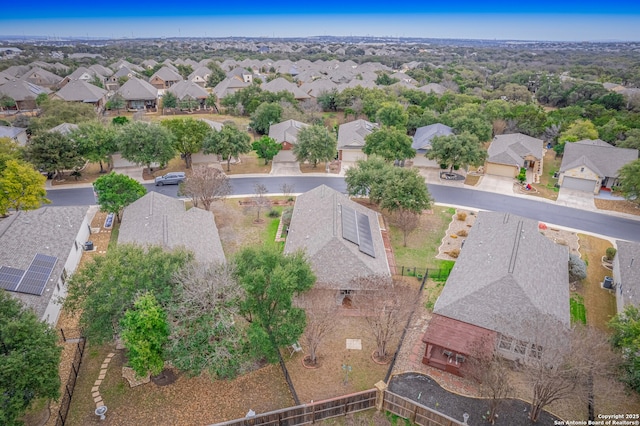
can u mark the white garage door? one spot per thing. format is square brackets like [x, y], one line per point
[579, 184]
[501, 170]
[351, 156]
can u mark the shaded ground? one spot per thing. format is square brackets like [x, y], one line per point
[622, 206]
[425, 391]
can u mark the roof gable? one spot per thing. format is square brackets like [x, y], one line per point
[606, 161]
[512, 148]
[425, 134]
[352, 134]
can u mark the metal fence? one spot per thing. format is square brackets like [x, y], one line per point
[63, 411]
[414, 412]
[294, 394]
[311, 413]
[438, 274]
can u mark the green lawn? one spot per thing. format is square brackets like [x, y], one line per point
[577, 309]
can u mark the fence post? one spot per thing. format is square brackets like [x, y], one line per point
[381, 387]
[313, 412]
[64, 339]
[402, 272]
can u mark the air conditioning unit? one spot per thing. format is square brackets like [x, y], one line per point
[88, 246]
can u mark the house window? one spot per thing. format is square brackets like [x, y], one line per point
[521, 347]
[64, 276]
[76, 244]
[505, 342]
[581, 169]
[346, 292]
[535, 351]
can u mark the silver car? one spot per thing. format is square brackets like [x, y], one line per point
[173, 178]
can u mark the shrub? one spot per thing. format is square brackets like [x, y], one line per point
[453, 253]
[273, 213]
[443, 166]
[462, 233]
[454, 236]
[577, 268]
[611, 253]
[461, 216]
[522, 176]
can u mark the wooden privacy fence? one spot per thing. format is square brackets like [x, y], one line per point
[414, 412]
[312, 412]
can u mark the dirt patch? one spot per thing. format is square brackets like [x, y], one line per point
[334, 167]
[459, 227]
[236, 225]
[621, 206]
[87, 174]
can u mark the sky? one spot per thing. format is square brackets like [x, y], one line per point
[559, 20]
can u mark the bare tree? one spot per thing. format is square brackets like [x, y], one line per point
[387, 305]
[321, 321]
[287, 189]
[205, 185]
[260, 202]
[407, 221]
[492, 372]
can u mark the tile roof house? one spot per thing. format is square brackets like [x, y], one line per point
[59, 232]
[495, 286]
[18, 134]
[626, 274]
[24, 93]
[351, 140]
[286, 133]
[508, 153]
[422, 143]
[138, 94]
[157, 219]
[589, 165]
[81, 91]
[321, 219]
[164, 78]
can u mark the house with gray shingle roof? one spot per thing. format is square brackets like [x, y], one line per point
[422, 142]
[321, 219]
[496, 285]
[138, 94]
[23, 92]
[187, 90]
[100, 70]
[59, 232]
[436, 88]
[280, 84]
[157, 219]
[42, 78]
[81, 91]
[319, 86]
[65, 128]
[626, 274]
[113, 81]
[229, 86]
[589, 165]
[17, 134]
[200, 76]
[286, 133]
[351, 140]
[164, 78]
[507, 154]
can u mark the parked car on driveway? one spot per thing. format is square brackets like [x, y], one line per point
[173, 178]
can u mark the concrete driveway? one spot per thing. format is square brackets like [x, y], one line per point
[577, 199]
[285, 164]
[499, 184]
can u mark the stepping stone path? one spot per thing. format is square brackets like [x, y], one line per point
[95, 390]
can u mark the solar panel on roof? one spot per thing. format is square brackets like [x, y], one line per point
[35, 279]
[10, 277]
[364, 233]
[349, 225]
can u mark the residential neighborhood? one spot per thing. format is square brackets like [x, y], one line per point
[306, 253]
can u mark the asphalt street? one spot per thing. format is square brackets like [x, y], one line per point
[589, 221]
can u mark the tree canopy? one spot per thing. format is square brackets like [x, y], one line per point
[389, 143]
[392, 114]
[229, 142]
[266, 148]
[116, 191]
[96, 142]
[30, 356]
[629, 176]
[53, 152]
[217, 74]
[270, 279]
[264, 116]
[21, 187]
[626, 337]
[315, 143]
[188, 136]
[146, 143]
[457, 150]
[106, 287]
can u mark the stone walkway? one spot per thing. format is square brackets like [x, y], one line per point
[95, 390]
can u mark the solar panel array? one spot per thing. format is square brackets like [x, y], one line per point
[33, 280]
[357, 229]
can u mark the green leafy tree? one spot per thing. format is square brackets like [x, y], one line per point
[54, 112]
[229, 142]
[328, 100]
[392, 114]
[457, 150]
[315, 143]
[9, 150]
[30, 356]
[169, 100]
[184, 70]
[364, 179]
[116, 102]
[120, 121]
[212, 102]
[53, 152]
[629, 176]
[116, 191]
[389, 143]
[579, 130]
[217, 74]
[270, 280]
[612, 131]
[266, 148]
[145, 331]
[145, 143]
[6, 102]
[21, 187]
[612, 100]
[264, 116]
[404, 190]
[106, 287]
[631, 139]
[96, 142]
[188, 134]
[385, 79]
[626, 338]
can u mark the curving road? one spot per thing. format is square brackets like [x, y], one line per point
[608, 225]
